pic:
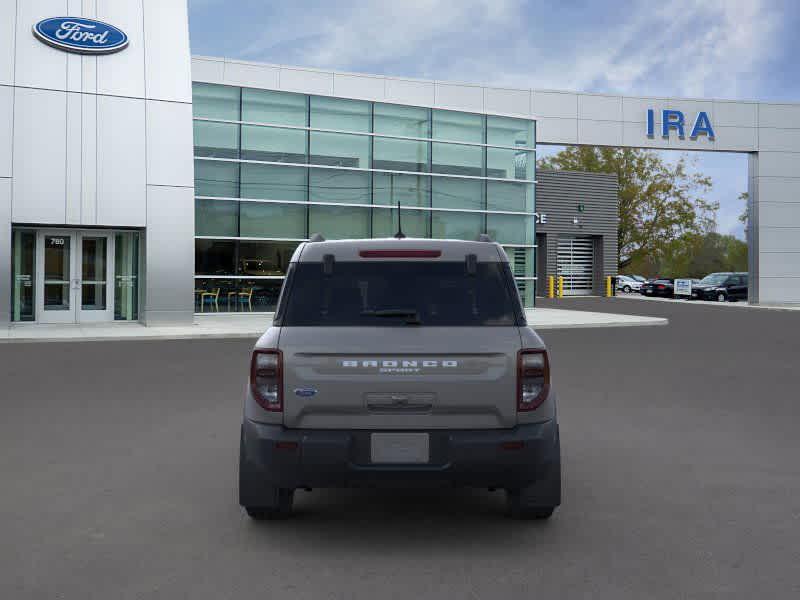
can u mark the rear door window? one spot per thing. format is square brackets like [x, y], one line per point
[402, 293]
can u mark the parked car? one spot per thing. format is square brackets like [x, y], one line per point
[627, 284]
[399, 361]
[722, 287]
[663, 288]
[638, 278]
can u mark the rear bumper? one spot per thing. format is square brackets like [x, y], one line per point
[293, 458]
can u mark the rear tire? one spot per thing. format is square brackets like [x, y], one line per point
[280, 509]
[722, 297]
[627, 289]
[261, 501]
[517, 509]
[539, 499]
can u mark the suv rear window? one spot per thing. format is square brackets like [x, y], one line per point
[400, 293]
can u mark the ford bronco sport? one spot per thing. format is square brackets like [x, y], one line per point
[399, 361]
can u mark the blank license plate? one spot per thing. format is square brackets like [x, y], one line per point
[400, 447]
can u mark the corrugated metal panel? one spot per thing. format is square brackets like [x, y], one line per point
[558, 195]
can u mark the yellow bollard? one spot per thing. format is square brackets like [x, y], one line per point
[608, 287]
[561, 286]
[551, 287]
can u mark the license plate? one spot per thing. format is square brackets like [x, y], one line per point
[400, 448]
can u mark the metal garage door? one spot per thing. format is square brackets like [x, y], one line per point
[576, 264]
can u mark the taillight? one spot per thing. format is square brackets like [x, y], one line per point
[533, 379]
[661, 287]
[266, 378]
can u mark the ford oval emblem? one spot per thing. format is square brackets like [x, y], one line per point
[305, 392]
[84, 36]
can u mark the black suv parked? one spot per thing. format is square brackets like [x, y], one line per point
[721, 287]
[665, 288]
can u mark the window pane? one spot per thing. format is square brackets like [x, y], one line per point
[265, 258]
[409, 190]
[259, 295]
[215, 101]
[216, 139]
[339, 222]
[400, 155]
[526, 290]
[126, 276]
[213, 178]
[457, 126]
[259, 219]
[336, 113]
[281, 108]
[457, 159]
[416, 223]
[339, 150]
[273, 182]
[335, 185]
[215, 295]
[214, 257]
[439, 293]
[458, 226]
[506, 195]
[23, 259]
[510, 229]
[506, 131]
[216, 217]
[408, 121]
[521, 260]
[273, 144]
[451, 192]
[509, 164]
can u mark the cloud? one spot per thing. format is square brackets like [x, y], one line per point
[345, 35]
[686, 47]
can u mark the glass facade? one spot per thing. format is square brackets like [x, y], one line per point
[272, 168]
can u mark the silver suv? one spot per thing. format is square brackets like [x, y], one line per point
[395, 362]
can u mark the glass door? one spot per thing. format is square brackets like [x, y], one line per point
[95, 275]
[55, 275]
[74, 274]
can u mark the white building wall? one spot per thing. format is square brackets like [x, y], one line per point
[83, 139]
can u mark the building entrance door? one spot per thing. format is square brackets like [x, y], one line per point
[575, 262]
[74, 272]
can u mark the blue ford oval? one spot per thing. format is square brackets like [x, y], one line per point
[84, 36]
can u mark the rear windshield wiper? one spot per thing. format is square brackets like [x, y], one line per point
[412, 316]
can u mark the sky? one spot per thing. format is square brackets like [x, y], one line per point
[732, 49]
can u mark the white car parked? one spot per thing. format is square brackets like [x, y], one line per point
[627, 284]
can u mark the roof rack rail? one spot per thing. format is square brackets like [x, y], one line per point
[317, 237]
[484, 237]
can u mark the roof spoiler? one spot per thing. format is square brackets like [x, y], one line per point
[484, 237]
[317, 237]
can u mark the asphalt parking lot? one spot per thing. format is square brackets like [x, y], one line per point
[681, 460]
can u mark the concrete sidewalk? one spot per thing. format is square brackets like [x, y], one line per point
[251, 326]
[737, 304]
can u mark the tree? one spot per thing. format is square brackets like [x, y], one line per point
[745, 216]
[695, 255]
[659, 202]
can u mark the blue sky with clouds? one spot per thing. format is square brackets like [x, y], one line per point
[741, 49]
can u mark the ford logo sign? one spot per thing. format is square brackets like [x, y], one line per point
[84, 36]
[305, 392]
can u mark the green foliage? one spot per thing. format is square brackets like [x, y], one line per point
[660, 203]
[694, 255]
[745, 216]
